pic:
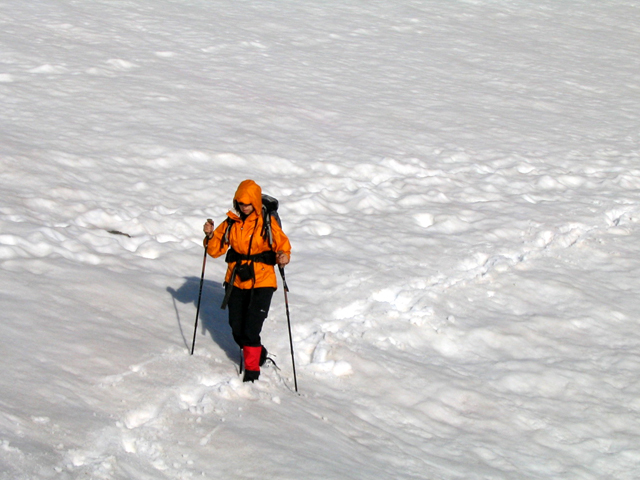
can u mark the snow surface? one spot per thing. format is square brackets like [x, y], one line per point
[460, 181]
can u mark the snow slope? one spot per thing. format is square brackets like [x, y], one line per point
[460, 181]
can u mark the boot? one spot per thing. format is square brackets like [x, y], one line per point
[250, 376]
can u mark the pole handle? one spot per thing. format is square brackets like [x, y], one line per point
[211, 235]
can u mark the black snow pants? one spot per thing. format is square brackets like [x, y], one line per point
[248, 309]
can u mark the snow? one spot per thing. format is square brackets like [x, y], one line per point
[461, 185]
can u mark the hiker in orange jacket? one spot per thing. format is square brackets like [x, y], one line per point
[250, 279]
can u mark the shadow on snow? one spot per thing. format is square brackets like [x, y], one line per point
[212, 318]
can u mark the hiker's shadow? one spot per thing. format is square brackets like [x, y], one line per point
[212, 318]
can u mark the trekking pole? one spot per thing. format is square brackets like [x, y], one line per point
[286, 303]
[204, 263]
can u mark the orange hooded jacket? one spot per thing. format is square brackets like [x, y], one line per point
[247, 232]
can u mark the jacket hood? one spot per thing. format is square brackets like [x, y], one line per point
[249, 192]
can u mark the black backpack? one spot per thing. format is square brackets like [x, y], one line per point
[269, 210]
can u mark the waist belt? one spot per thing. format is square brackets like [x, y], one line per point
[268, 257]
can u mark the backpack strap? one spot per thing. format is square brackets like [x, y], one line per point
[251, 258]
[227, 286]
[266, 233]
[225, 238]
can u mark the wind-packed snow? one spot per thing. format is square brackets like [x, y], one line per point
[460, 181]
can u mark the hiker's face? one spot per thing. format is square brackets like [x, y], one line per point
[245, 208]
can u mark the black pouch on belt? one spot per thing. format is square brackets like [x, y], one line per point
[245, 271]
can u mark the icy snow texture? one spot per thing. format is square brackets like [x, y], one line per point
[460, 181]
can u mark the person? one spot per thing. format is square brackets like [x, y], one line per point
[250, 280]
